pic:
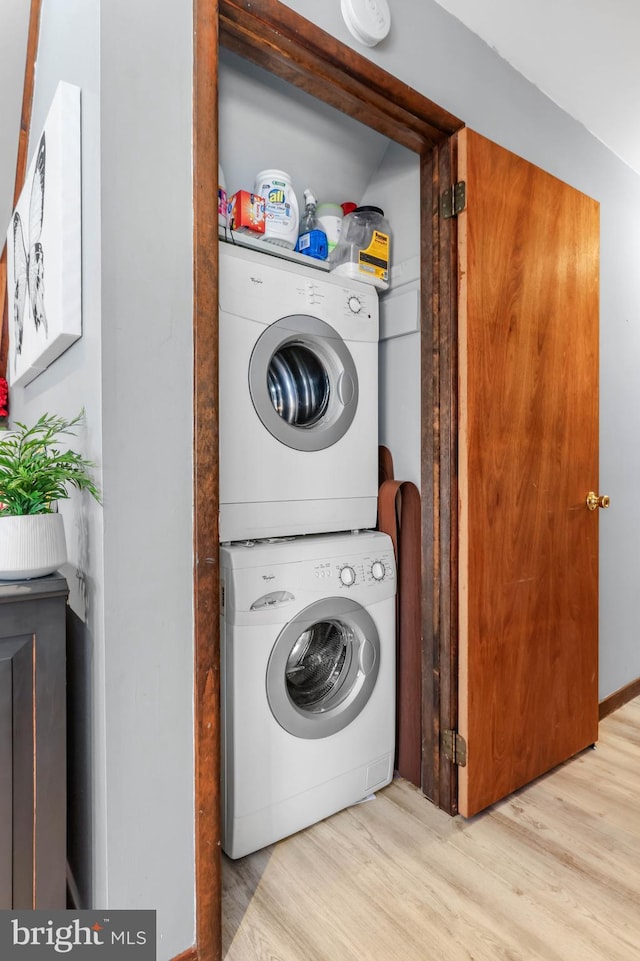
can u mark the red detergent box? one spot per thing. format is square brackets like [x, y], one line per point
[245, 213]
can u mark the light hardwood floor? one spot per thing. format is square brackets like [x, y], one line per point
[552, 873]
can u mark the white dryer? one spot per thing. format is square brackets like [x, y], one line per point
[308, 681]
[298, 399]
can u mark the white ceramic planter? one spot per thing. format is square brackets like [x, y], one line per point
[31, 546]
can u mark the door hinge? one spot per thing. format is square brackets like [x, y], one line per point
[454, 747]
[453, 200]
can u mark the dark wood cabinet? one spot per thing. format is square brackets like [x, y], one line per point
[33, 743]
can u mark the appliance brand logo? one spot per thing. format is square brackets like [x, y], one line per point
[268, 577]
[256, 280]
[27, 935]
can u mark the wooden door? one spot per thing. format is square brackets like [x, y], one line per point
[528, 456]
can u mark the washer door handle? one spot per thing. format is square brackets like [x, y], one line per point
[367, 657]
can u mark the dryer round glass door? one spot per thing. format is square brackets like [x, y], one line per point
[323, 668]
[303, 383]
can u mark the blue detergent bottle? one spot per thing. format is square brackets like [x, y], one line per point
[312, 241]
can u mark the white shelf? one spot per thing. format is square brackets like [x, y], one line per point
[273, 250]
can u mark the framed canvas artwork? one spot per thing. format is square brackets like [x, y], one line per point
[44, 248]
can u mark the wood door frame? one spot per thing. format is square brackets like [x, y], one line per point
[276, 38]
[33, 34]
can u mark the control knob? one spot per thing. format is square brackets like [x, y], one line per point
[347, 576]
[355, 304]
[378, 571]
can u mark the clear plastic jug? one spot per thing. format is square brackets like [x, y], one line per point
[363, 251]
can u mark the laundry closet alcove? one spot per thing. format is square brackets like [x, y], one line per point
[459, 552]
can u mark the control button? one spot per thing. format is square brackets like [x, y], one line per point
[378, 570]
[355, 304]
[347, 576]
[311, 293]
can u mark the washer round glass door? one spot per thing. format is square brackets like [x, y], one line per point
[303, 382]
[323, 668]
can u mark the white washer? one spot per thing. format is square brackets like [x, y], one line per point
[298, 399]
[308, 681]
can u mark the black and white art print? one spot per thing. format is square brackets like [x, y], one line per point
[44, 246]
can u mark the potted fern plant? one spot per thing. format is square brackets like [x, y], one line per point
[36, 471]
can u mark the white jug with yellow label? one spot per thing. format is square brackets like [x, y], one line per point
[364, 249]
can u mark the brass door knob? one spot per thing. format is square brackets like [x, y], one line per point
[594, 501]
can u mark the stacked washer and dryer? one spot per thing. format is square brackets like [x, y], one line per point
[308, 584]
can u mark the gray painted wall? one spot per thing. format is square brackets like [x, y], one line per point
[71, 383]
[435, 54]
[130, 571]
[147, 376]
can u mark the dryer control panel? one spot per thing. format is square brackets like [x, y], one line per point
[356, 304]
[262, 288]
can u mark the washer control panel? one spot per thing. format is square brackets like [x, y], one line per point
[349, 572]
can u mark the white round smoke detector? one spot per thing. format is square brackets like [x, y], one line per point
[368, 20]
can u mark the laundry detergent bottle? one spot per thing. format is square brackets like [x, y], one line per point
[280, 207]
[312, 240]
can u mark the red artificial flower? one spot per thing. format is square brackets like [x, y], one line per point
[4, 397]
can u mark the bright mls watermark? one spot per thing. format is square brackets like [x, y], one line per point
[78, 935]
